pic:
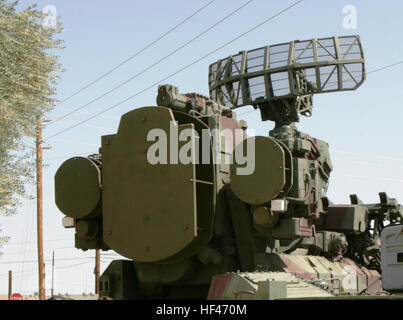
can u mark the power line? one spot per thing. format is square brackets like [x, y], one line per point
[369, 72]
[250, 111]
[52, 240]
[153, 65]
[177, 72]
[23, 252]
[78, 143]
[369, 178]
[64, 157]
[24, 274]
[34, 271]
[334, 152]
[138, 52]
[365, 155]
[32, 261]
[386, 67]
[88, 113]
[71, 283]
[27, 233]
[73, 265]
[20, 273]
[88, 125]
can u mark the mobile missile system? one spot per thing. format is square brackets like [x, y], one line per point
[199, 209]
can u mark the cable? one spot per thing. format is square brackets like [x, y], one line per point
[53, 240]
[28, 236]
[88, 113]
[74, 284]
[88, 125]
[364, 155]
[151, 66]
[138, 52]
[72, 265]
[369, 178]
[386, 67]
[246, 112]
[23, 247]
[19, 274]
[61, 259]
[34, 271]
[175, 73]
[75, 142]
[64, 157]
[60, 248]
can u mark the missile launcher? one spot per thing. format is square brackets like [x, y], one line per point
[186, 195]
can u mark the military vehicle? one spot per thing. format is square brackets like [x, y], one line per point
[203, 221]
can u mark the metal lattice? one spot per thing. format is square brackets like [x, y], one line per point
[296, 69]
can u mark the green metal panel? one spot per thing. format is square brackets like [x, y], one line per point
[141, 216]
[347, 218]
[77, 188]
[268, 179]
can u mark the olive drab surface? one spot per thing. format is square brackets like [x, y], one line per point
[206, 229]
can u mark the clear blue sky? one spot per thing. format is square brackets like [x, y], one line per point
[363, 127]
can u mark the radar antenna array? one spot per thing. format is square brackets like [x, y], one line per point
[281, 79]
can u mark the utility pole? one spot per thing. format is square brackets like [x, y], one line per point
[53, 274]
[97, 269]
[10, 284]
[39, 208]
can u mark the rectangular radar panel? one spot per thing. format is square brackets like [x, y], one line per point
[295, 69]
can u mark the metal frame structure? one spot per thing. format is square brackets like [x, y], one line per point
[294, 70]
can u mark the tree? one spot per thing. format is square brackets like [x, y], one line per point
[28, 75]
